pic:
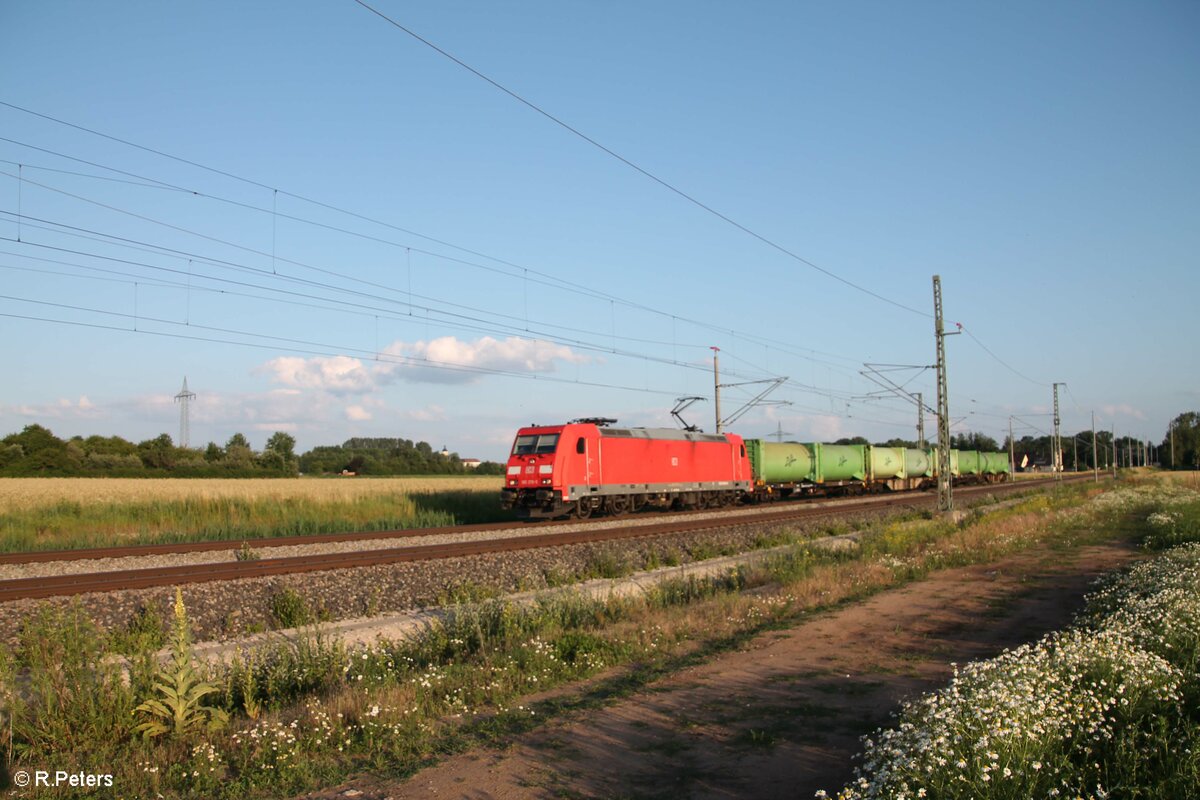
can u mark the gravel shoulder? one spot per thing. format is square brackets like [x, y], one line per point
[783, 716]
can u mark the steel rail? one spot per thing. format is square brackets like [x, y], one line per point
[166, 548]
[63, 585]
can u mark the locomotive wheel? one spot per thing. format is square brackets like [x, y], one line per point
[583, 509]
[618, 504]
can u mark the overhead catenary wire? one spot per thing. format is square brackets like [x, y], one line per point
[360, 309]
[461, 320]
[645, 172]
[544, 279]
[274, 213]
[1001, 361]
[299, 346]
[675, 342]
[475, 313]
[556, 282]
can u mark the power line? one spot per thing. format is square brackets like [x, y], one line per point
[545, 278]
[358, 309]
[323, 270]
[153, 183]
[541, 279]
[1000, 361]
[660, 181]
[298, 346]
[476, 314]
[461, 320]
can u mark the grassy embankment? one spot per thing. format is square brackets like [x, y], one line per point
[67, 513]
[309, 715]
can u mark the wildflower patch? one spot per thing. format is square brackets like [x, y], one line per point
[1106, 708]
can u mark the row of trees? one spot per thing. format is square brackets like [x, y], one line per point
[961, 441]
[1180, 448]
[365, 456]
[36, 451]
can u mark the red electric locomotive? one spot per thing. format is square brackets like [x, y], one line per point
[587, 466]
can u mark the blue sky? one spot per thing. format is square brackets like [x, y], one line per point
[1044, 159]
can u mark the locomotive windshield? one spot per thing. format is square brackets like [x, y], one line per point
[535, 444]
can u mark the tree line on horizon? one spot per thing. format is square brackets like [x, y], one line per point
[37, 452]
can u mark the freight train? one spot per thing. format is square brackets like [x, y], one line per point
[589, 467]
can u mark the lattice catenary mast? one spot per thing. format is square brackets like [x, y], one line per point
[183, 398]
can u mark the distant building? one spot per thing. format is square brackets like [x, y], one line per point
[471, 463]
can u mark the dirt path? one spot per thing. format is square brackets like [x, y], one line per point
[781, 718]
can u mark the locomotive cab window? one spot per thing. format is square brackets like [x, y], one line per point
[535, 444]
[743, 451]
[581, 445]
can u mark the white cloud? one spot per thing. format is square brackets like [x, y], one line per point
[357, 413]
[1123, 410]
[449, 360]
[430, 414]
[336, 374]
[83, 408]
[272, 427]
[443, 360]
[824, 428]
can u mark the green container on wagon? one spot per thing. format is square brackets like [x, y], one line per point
[969, 463]
[996, 463]
[840, 462]
[918, 463]
[888, 463]
[953, 464]
[781, 462]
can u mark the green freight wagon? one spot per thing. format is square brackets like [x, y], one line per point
[781, 469]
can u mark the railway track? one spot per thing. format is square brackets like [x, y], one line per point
[52, 586]
[171, 548]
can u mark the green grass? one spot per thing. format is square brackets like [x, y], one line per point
[307, 714]
[72, 525]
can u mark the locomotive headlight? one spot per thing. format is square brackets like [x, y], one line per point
[545, 480]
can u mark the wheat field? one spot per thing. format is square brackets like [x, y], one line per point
[28, 493]
[59, 513]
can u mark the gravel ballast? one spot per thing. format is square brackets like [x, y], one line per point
[230, 609]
